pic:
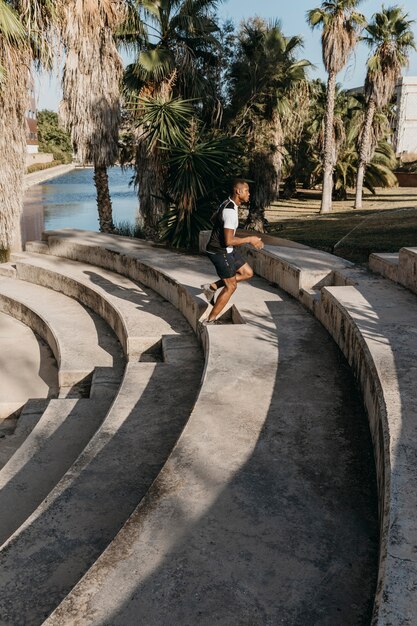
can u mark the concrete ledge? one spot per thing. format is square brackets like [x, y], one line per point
[211, 450]
[386, 394]
[385, 264]
[357, 318]
[44, 456]
[119, 301]
[71, 528]
[134, 260]
[51, 316]
[407, 268]
[52, 172]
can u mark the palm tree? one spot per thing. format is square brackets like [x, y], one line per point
[261, 78]
[391, 39]
[341, 23]
[90, 108]
[25, 36]
[175, 41]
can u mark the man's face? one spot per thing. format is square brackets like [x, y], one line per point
[244, 193]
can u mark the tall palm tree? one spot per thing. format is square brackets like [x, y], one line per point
[90, 107]
[264, 72]
[25, 36]
[391, 39]
[174, 40]
[341, 24]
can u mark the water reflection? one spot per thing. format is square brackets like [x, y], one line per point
[69, 201]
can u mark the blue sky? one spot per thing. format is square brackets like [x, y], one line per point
[292, 16]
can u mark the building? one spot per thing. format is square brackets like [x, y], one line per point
[406, 122]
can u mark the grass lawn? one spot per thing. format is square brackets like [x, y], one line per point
[387, 222]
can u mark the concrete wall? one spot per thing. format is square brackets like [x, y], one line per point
[38, 157]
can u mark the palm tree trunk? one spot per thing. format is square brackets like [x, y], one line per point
[329, 147]
[278, 143]
[364, 152]
[104, 205]
[14, 92]
[150, 181]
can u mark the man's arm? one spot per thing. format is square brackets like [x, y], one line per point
[232, 240]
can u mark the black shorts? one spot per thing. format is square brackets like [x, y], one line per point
[226, 263]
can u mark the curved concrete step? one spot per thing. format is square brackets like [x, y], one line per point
[89, 505]
[29, 416]
[44, 456]
[136, 316]
[373, 321]
[28, 369]
[256, 495]
[67, 327]
[385, 264]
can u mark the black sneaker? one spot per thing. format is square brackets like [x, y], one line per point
[209, 293]
[209, 322]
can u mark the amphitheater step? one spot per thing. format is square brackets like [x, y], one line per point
[375, 324]
[48, 451]
[7, 269]
[29, 416]
[28, 368]
[268, 487]
[70, 329]
[407, 271]
[136, 316]
[78, 519]
[385, 264]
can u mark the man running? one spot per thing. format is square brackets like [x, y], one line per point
[221, 250]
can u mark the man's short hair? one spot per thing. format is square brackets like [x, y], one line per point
[238, 182]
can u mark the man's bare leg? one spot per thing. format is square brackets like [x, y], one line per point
[243, 273]
[224, 296]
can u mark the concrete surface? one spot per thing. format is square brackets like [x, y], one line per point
[373, 322]
[52, 172]
[88, 506]
[28, 369]
[265, 511]
[52, 316]
[135, 315]
[385, 264]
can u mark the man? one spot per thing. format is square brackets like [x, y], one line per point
[221, 250]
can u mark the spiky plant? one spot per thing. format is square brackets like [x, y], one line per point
[90, 108]
[340, 23]
[173, 42]
[391, 39]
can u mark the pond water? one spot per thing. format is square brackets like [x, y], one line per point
[69, 201]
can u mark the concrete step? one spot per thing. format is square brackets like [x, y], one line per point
[407, 268]
[255, 487]
[20, 428]
[38, 247]
[385, 264]
[267, 488]
[28, 368]
[173, 276]
[44, 456]
[78, 519]
[7, 269]
[138, 317]
[375, 325]
[68, 328]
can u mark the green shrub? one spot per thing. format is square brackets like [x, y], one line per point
[127, 229]
[38, 167]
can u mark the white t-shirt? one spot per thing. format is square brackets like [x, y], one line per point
[231, 220]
